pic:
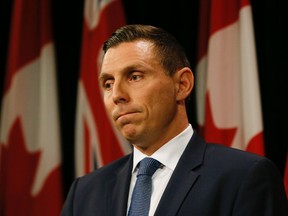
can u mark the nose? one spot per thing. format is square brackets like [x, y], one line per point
[120, 93]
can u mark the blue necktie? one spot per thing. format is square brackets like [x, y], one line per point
[140, 201]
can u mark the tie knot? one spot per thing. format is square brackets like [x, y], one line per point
[148, 166]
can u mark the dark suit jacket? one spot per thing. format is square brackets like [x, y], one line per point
[209, 179]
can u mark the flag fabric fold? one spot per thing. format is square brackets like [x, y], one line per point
[30, 156]
[97, 142]
[227, 86]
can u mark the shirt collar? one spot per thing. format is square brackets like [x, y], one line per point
[170, 153]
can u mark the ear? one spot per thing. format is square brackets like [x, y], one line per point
[185, 83]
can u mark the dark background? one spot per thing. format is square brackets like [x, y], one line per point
[180, 18]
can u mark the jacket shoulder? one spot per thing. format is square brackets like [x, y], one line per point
[107, 171]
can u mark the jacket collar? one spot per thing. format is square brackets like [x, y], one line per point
[118, 189]
[183, 177]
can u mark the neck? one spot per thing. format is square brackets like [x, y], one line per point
[150, 146]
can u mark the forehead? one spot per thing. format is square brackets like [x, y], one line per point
[128, 53]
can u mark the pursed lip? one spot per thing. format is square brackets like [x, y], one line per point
[119, 115]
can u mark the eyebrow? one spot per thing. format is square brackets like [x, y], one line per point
[104, 75]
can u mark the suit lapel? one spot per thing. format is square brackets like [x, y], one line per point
[117, 190]
[183, 177]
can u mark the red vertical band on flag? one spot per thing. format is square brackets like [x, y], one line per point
[87, 150]
[203, 33]
[224, 13]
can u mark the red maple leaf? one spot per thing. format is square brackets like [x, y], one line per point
[17, 173]
[211, 132]
[225, 136]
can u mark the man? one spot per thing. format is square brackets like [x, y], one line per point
[146, 78]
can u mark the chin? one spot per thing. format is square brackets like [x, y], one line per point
[129, 133]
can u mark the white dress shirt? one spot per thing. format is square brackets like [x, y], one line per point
[169, 155]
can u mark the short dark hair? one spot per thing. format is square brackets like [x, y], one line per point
[171, 54]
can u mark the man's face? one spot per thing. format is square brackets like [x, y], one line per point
[138, 95]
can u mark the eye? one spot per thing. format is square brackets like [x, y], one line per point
[135, 77]
[108, 84]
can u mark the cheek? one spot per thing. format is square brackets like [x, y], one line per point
[162, 102]
[108, 105]
[165, 94]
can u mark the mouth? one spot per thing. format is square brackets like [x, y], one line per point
[121, 112]
[120, 115]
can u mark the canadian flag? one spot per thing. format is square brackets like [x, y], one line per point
[30, 162]
[227, 86]
[97, 141]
